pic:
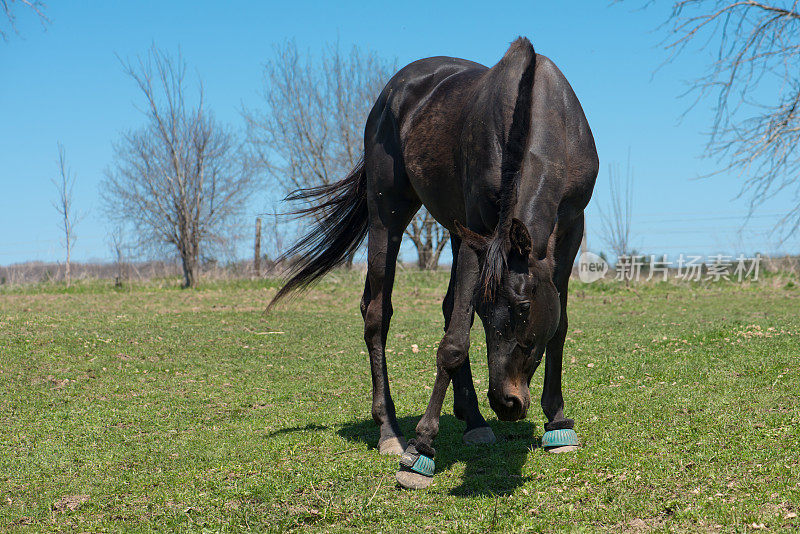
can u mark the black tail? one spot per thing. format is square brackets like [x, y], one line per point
[342, 226]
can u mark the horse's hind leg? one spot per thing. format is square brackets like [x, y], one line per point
[376, 308]
[465, 400]
[390, 210]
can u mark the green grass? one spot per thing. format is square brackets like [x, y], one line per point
[155, 409]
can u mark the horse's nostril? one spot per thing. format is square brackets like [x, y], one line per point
[513, 402]
[508, 407]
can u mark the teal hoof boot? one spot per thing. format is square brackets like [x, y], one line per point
[563, 440]
[416, 470]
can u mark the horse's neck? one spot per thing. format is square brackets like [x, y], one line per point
[537, 200]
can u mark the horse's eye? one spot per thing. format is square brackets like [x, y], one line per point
[525, 307]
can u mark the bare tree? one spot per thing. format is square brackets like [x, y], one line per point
[10, 14]
[429, 237]
[616, 218]
[311, 129]
[65, 183]
[753, 83]
[182, 180]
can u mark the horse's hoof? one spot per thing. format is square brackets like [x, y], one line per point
[416, 470]
[393, 445]
[482, 435]
[412, 480]
[562, 440]
[565, 448]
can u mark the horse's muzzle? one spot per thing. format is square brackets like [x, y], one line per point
[509, 407]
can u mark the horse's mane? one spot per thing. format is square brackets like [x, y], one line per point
[520, 52]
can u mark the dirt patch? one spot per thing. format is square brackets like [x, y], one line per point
[70, 502]
[57, 383]
[642, 525]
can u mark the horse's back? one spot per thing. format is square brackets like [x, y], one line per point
[445, 119]
[415, 82]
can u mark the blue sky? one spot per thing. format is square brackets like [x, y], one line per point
[65, 84]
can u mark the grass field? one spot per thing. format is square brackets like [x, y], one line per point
[157, 409]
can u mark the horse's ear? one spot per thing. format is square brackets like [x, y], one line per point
[520, 238]
[472, 239]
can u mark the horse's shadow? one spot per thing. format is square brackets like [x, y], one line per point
[490, 469]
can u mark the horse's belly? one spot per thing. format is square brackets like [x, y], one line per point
[433, 177]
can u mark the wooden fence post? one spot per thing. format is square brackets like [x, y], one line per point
[257, 248]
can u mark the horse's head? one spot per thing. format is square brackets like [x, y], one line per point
[520, 309]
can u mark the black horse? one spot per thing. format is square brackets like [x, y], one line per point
[503, 158]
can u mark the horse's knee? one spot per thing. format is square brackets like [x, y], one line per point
[450, 354]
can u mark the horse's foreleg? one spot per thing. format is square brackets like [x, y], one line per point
[465, 400]
[552, 397]
[450, 356]
[567, 247]
[376, 308]
[454, 347]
